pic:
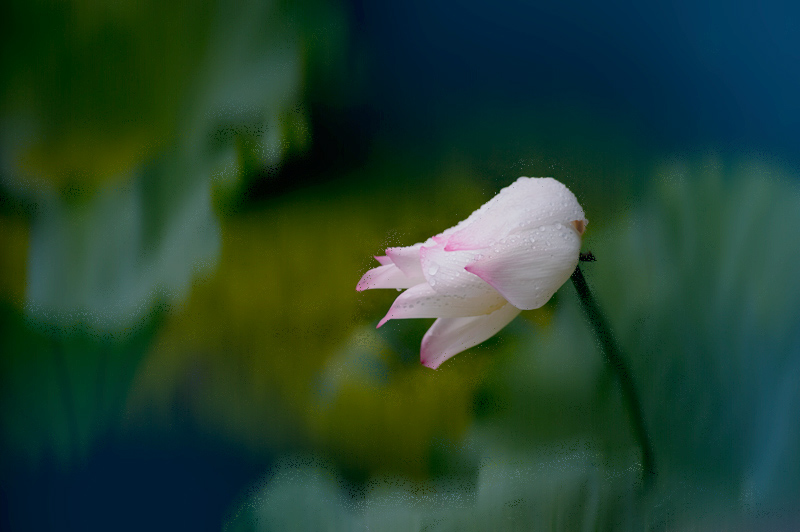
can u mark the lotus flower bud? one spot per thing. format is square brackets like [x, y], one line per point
[511, 254]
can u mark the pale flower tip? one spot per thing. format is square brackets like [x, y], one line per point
[430, 365]
[429, 356]
[428, 361]
[364, 282]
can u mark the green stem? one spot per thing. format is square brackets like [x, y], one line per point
[613, 356]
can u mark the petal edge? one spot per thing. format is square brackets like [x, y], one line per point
[422, 301]
[448, 337]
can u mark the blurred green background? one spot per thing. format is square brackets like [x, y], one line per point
[190, 192]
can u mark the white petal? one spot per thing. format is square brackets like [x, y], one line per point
[407, 259]
[449, 336]
[444, 271]
[528, 268]
[388, 276]
[422, 301]
[526, 203]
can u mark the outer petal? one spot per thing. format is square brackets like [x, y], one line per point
[422, 301]
[389, 276]
[526, 203]
[449, 336]
[383, 259]
[407, 259]
[444, 271]
[527, 269]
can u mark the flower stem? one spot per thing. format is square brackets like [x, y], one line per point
[613, 356]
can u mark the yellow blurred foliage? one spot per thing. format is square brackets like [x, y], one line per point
[14, 258]
[95, 90]
[245, 354]
[82, 160]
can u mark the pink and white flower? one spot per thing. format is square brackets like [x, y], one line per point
[512, 254]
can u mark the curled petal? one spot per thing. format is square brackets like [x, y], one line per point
[407, 259]
[422, 301]
[383, 259]
[388, 276]
[525, 204]
[449, 336]
[445, 272]
[528, 268]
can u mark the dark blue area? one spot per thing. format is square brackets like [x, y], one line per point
[679, 74]
[169, 484]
